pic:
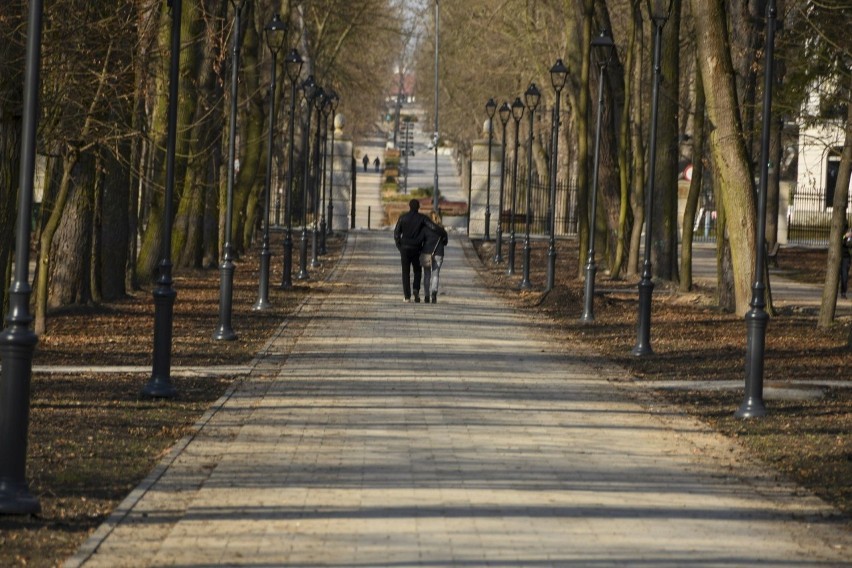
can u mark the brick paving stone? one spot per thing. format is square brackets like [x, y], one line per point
[452, 434]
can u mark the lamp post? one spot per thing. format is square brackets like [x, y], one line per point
[224, 331]
[604, 49]
[558, 76]
[293, 65]
[319, 102]
[335, 100]
[517, 114]
[532, 96]
[18, 340]
[275, 41]
[326, 111]
[660, 10]
[490, 109]
[435, 134]
[757, 319]
[309, 90]
[505, 112]
[160, 383]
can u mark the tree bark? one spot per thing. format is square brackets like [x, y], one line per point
[726, 143]
[664, 230]
[11, 101]
[828, 304]
[694, 188]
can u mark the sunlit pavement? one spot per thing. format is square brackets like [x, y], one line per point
[454, 434]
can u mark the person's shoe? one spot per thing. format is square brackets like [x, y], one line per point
[434, 297]
[416, 298]
[406, 300]
[426, 298]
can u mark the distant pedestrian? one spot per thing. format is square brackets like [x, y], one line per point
[408, 235]
[432, 258]
[377, 163]
[365, 161]
[845, 259]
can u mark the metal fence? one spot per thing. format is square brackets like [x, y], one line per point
[809, 220]
[539, 197]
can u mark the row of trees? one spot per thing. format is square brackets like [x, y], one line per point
[102, 127]
[710, 103]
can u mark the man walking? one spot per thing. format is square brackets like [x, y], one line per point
[408, 236]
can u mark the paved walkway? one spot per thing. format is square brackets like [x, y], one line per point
[379, 433]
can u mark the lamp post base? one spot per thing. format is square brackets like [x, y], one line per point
[525, 283]
[287, 278]
[315, 247]
[643, 334]
[498, 253]
[160, 383]
[589, 293]
[757, 321]
[262, 302]
[551, 267]
[226, 294]
[16, 499]
[303, 258]
[17, 344]
[510, 269]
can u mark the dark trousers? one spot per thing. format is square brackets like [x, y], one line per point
[844, 274]
[410, 257]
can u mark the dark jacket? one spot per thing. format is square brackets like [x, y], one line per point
[410, 228]
[434, 240]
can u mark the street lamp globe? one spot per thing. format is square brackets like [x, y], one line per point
[558, 76]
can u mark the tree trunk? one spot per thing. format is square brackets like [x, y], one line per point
[72, 244]
[583, 193]
[838, 223]
[11, 101]
[664, 230]
[150, 252]
[10, 155]
[624, 218]
[147, 37]
[694, 188]
[251, 149]
[51, 225]
[726, 143]
[116, 233]
[637, 165]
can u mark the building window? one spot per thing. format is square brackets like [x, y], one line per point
[831, 171]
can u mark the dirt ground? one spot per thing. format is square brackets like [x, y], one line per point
[93, 438]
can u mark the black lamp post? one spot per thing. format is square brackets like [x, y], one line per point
[505, 112]
[517, 114]
[604, 49]
[275, 35]
[160, 383]
[326, 111]
[757, 319]
[335, 100]
[224, 331]
[17, 340]
[532, 96]
[309, 90]
[558, 76]
[319, 103]
[293, 65]
[490, 109]
[435, 135]
[660, 10]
